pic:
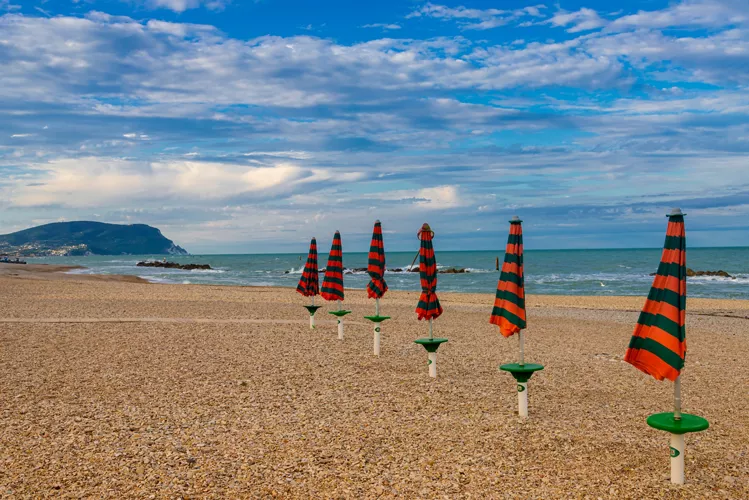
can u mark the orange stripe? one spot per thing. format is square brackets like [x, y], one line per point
[651, 364]
[511, 267]
[673, 256]
[675, 229]
[509, 306]
[514, 249]
[664, 309]
[663, 338]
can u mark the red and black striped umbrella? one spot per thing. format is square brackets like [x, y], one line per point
[509, 304]
[376, 268]
[332, 284]
[309, 284]
[658, 345]
[429, 305]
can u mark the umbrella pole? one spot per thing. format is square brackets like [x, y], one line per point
[522, 386]
[340, 322]
[377, 329]
[432, 355]
[312, 316]
[677, 440]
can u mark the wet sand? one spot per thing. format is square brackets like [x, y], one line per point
[118, 389]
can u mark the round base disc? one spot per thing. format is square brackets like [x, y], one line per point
[521, 372]
[377, 319]
[431, 345]
[312, 309]
[688, 423]
[339, 313]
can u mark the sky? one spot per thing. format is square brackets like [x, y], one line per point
[250, 126]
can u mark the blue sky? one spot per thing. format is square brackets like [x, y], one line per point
[249, 126]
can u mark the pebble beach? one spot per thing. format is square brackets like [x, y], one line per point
[117, 388]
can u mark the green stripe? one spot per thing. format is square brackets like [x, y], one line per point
[504, 313]
[511, 297]
[672, 269]
[511, 277]
[667, 355]
[675, 243]
[668, 296]
[513, 258]
[662, 322]
[429, 307]
[515, 239]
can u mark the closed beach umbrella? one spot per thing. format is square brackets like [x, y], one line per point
[658, 345]
[376, 287]
[332, 284]
[509, 304]
[509, 310]
[309, 283]
[429, 305]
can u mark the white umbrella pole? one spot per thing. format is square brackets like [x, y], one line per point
[522, 386]
[522, 347]
[677, 458]
[340, 323]
[377, 329]
[312, 316]
[677, 440]
[432, 355]
[433, 364]
[523, 399]
[377, 339]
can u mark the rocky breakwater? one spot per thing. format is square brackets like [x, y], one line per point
[692, 273]
[173, 265]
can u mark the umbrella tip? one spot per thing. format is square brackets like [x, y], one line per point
[515, 218]
[377, 221]
[675, 212]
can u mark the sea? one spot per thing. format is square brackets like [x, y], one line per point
[555, 272]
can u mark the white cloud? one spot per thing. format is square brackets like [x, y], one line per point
[183, 5]
[383, 26]
[18, 136]
[106, 182]
[688, 13]
[5, 5]
[476, 19]
[582, 20]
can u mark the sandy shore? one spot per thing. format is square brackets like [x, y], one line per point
[117, 389]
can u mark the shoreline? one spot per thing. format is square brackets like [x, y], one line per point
[625, 303]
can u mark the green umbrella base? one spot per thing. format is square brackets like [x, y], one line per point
[521, 372]
[312, 309]
[688, 423]
[431, 345]
[377, 319]
[339, 313]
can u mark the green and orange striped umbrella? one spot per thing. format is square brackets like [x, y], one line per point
[429, 305]
[376, 287]
[658, 345]
[332, 284]
[309, 284]
[509, 303]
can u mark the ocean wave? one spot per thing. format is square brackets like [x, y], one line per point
[739, 279]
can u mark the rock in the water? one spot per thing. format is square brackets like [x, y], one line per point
[691, 273]
[173, 265]
[453, 270]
